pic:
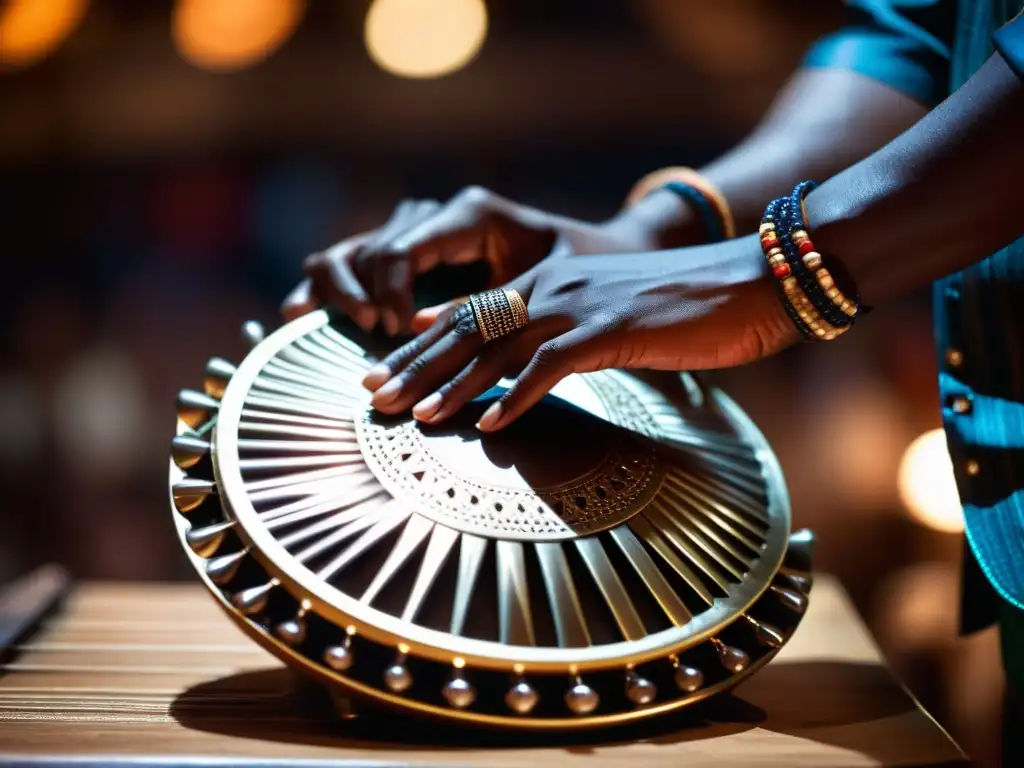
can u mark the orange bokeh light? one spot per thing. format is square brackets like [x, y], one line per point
[226, 35]
[30, 30]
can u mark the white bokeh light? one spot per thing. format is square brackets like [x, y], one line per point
[425, 38]
[927, 485]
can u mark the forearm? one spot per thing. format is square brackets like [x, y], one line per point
[821, 122]
[945, 194]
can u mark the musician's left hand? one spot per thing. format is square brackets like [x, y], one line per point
[686, 309]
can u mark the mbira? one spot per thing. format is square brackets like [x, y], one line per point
[620, 552]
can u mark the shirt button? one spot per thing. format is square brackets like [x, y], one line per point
[960, 404]
[954, 358]
[972, 468]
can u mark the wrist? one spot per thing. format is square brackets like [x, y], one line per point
[658, 221]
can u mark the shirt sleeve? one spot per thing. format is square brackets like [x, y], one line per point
[1009, 41]
[902, 43]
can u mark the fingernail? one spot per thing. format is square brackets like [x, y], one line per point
[376, 376]
[490, 418]
[388, 392]
[427, 407]
[390, 320]
[366, 318]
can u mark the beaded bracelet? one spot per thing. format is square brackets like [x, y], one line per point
[695, 189]
[801, 310]
[789, 252]
[811, 259]
[778, 241]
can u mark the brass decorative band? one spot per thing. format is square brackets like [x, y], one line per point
[498, 312]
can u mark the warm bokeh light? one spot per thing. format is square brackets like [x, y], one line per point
[225, 35]
[425, 38]
[927, 486]
[30, 30]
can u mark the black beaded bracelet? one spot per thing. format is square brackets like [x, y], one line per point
[792, 222]
[773, 213]
[843, 307]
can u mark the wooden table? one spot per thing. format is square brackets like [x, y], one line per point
[118, 675]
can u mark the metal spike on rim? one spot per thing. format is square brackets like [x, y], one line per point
[188, 450]
[218, 373]
[206, 541]
[254, 599]
[223, 568]
[196, 408]
[189, 492]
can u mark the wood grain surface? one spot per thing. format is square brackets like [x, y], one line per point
[154, 674]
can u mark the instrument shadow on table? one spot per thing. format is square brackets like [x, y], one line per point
[278, 705]
[834, 703]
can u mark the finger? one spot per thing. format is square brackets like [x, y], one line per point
[392, 290]
[299, 302]
[553, 361]
[435, 364]
[386, 269]
[496, 360]
[334, 281]
[428, 316]
[401, 357]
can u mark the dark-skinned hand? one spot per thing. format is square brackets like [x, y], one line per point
[690, 309]
[370, 276]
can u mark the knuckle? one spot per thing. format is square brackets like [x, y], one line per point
[313, 261]
[416, 366]
[475, 196]
[548, 355]
[463, 321]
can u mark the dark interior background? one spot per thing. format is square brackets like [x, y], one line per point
[150, 204]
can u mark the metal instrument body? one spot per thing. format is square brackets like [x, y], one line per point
[612, 556]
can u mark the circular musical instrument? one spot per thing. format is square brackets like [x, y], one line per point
[617, 553]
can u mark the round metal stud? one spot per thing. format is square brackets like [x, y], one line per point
[790, 598]
[640, 690]
[292, 631]
[459, 693]
[398, 678]
[581, 698]
[253, 333]
[521, 698]
[688, 679]
[339, 657]
[732, 658]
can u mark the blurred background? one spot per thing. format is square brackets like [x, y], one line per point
[165, 166]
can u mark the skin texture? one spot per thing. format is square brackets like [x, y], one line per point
[916, 203]
[711, 309]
